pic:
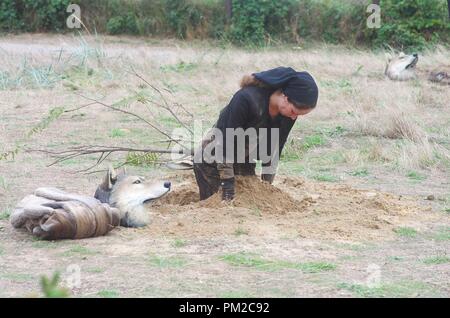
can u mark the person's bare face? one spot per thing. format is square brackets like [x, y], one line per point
[287, 109]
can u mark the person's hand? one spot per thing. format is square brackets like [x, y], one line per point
[268, 178]
[227, 189]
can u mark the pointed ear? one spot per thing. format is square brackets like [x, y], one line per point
[388, 56]
[110, 178]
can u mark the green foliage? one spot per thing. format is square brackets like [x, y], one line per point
[181, 14]
[325, 177]
[105, 293]
[413, 23]
[138, 159]
[50, 287]
[46, 15]
[11, 154]
[437, 260]
[187, 17]
[253, 20]
[404, 23]
[361, 172]
[406, 232]
[240, 231]
[416, 176]
[167, 262]
[118, 132]
[9, 16]
[123, 24]
[77, 250]
[179, 243]
[33, 15]
[313, 141]
[443, 234]
[250, 260]
[180, 67]
[332, 21]
[5, 214]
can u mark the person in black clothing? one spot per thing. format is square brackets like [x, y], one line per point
[271, 99]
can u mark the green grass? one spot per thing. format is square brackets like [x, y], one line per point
[256, 211]
[105, 293]
[180, 67]
[78, 250]
[117, 132]
[290, 154]
[443, 234]
[313, 141]
[400, 289]
[436, 260]
[325, 160]
[3, 184]
[292, 167]
[50, 286]
[5, 214]
[292, 150]
[240, 231]
[254, 261]
[44, 244]
[362, 172]
[325, 177]
[416, 176]
[331, 131]
[168, 122]
[167, 262]
[179, 243]
[406, 232]
[341, 84]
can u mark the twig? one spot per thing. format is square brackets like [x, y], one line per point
[78, 108]
[166, 104]
[134, 115]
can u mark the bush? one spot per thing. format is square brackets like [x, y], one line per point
[125, 24]
[413, 23]
[404, 23]
[33, 15]
[333, 21]
[254, 20]
[9, 16]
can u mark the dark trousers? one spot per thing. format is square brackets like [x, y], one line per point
[208, 180]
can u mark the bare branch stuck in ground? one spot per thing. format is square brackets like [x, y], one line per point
[105, 151]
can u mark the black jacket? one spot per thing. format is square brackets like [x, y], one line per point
[248, 108]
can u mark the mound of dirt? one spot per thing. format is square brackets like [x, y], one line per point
[293, 207]
[252, 193]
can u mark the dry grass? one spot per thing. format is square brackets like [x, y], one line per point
[365, 127]
[353, 91]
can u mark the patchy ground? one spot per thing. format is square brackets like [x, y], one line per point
[294, 207]
[360, 206]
